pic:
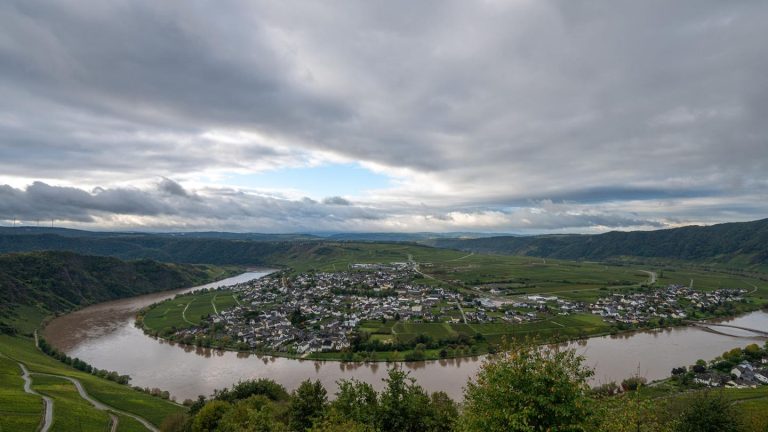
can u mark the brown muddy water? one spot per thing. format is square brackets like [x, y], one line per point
[104, 336]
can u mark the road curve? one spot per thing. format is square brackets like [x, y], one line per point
[47, 402]
[651, 276]
[102, 406]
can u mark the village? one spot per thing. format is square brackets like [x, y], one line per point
[674, 301]
[320, 311]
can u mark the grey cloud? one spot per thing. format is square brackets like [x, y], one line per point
[336, 200]
[501, 103]
[171, 187]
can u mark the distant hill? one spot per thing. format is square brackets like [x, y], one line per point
[742, 243]
[166, 248]
[405, 237]
[60, 281]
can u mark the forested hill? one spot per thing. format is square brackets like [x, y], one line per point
[59, 281]
[743, 243]
[151, 246]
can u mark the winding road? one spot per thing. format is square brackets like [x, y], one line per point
[47, 402]
[47, 420]
[101, 406]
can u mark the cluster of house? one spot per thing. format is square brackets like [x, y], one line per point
[315, 312]
[674, 301]
[743, 375]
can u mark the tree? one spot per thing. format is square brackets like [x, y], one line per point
[209, 416]
[444, 413]
[708, 413]
[308, 403]
[356, 401]
[403, 405]
[335, 422]
[529, 388]
[257, 413]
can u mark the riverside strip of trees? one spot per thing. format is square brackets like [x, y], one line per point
[526, 389]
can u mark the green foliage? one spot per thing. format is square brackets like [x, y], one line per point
[357, 401]
[308, 403]
[254, 414]
[245, 389]
[403, 405]
[529, 388]
[709, 413]
[633, 383]
[631, 413]
[209, 416]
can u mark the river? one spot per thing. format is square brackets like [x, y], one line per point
[104, 336]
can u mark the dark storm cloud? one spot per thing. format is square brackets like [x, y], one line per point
[475, 105]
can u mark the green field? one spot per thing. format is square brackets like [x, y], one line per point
[188, 310]
[119, 396]
[19, 411]
[80, 415]
[501, 277]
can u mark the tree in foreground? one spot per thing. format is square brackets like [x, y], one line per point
[308, 403]
[529, 389]
[709, 413]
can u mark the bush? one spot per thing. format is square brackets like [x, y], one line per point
[709, 413]
[633, 383]
[529, 388]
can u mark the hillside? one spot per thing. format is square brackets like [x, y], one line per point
[743, 243]
[43, 282]
[150, 246]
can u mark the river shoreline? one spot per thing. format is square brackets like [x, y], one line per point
[104, 335]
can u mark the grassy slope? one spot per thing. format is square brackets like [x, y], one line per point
[120, 396]
[19, 411]
[186, 311]
[78, 413]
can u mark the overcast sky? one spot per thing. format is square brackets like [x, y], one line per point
[497, 116]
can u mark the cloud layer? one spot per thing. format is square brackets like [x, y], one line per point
[522, 115]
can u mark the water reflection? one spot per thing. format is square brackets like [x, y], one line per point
[104, 335]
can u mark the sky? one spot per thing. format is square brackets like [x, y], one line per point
[453, 115]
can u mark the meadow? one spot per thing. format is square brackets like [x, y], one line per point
[188, 310]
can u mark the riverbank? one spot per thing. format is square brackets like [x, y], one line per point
[105, 336]
[191, 311]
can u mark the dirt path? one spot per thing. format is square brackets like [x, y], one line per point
[461, 257]
[213, 303]
[184, 313]
[651, 276]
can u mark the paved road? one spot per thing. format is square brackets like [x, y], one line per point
[47, 402]
[83, 394]
[102, 406]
